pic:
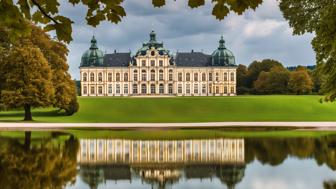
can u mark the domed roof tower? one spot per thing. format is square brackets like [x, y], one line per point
[152, 43]
[222, 56]
[93, 56]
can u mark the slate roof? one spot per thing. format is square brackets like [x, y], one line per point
[192, 59]
[117, 59]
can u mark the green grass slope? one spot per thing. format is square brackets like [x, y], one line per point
[189, 109]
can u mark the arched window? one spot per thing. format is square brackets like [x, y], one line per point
[100, 77]
[135, 75]
[118, 77]
[92, 77]
[152, 76]
[170, 77]
[225, 76]
[232, 77]
[187, 76]
[195, 76]
[179, 76]
[203, 77]
[161, 75]
[125, 76]
[143, 89]
[143, 75]
[135, 89]
[152, 89]
[109, 77]
[170, 88]
[84, 76]
[161, 89]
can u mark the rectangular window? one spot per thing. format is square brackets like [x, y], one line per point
[126, 89]
[204, 88]
[188, 88]
[125, 76]
[143, 63]
[217, 76]
[135, 89]
[179, 89]
[210, 76]
[92, 90]
[110, 88]
[170, 88]
[152, 62]
[85, 90]
[179, 76]
[160, 62]
[196, 88]
[118, 88]
[232, 90]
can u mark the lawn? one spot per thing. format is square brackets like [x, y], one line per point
[189, 109]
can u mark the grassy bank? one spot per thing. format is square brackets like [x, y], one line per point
[189, 109]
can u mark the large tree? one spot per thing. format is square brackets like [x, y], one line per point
[242, 79]
[273, 82]
[27, 79]
[300, 82]
[318, 17]
[46, 12]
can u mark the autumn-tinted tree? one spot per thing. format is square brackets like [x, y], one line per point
[242, 79]
[273, 82]
[256, 67]
[318, 17]
[300, 82]
[13, 13]
[27, 80]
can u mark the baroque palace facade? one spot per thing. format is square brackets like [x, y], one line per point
[153, 70]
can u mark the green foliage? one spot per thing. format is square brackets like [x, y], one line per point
[273, 82]
[46, 12]
[27, 78]
[318, 17]
[300, 82]
[242, 80]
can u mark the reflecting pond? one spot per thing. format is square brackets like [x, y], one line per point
[66, 160]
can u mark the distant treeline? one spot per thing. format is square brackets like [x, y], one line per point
[271, 77]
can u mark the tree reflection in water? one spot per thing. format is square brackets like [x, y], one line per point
[52, 162]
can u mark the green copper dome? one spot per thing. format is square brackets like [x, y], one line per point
[93, 56]
[222, 56]
[152, 43]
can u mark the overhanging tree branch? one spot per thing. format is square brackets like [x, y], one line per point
[44, 12]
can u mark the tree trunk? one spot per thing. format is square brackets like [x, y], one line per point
[27, 140]
[28, 115]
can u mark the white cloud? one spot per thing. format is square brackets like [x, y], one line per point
[262, 28]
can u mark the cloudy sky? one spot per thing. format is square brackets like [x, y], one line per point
[255, 35]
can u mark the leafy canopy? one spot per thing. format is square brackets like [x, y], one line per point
[46, 12]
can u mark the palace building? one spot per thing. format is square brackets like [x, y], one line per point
[153, 70]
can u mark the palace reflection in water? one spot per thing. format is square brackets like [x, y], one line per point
[161, 162]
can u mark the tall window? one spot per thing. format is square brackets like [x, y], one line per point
[161, 75]
[152, 62]
[125, 88]
[195, 76]
[204, 88]
[188, 88]
[161, 89]
[170, 76]
[170, 88]
[195, 88]
[225, 76]
[152, 75]
[135, 75]
[179, 88]
[225, 90]
[143, 75]
[217, 76]
[232, 77]
[179, 76]
[109, 77]
[100, 90]
[210, 76]
[84, 76]
[118, 77]
[152, 89]
[187, 76]
[125, 76]
[135, 89]
[143, 63]
[92, 77]
[110, 88]
[217, 89]
[100, 77]
[203, 77]
[232, 90]
[143, 89]
[85, 90]
[92, 90]
[118, 88]
[160, 62]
